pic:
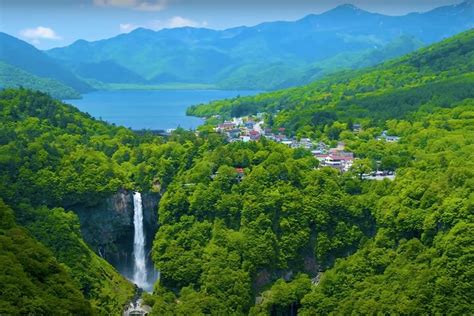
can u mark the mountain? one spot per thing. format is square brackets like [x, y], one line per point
[266, 56]
[11, 77]
[437, 75]
[258, 227]
[25, 57]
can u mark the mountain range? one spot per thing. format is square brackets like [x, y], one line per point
[251, 228]
[439, 75]
[267, 56]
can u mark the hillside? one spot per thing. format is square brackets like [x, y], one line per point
[266, 56]
[285, 237]
[44, 146]
[259, 228]
[36, 68]
[438, 75]
[12, 77]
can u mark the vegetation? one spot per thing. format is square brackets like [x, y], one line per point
[407, 243]
[33, 281]
[54, 158]
[257, 228]
[418, 261]
[224, 235]
[12, 77]
[222, 239]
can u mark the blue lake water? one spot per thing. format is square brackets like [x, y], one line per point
[150, 109]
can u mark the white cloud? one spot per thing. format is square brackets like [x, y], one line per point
[174, 22]
[142, 5]
[39, 33]
[178, 21]
[127, 27]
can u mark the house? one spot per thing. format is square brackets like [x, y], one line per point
[388, 138]
[254, 135]
[322, 146]
[240, 173]
[234, 133]
[341, 160]
[249, 125]
[305, 143]
[238, 121]
[356, 128]
[226, 126]
[245, 138]
[340, 146]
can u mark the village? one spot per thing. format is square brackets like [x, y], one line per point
[246, 129]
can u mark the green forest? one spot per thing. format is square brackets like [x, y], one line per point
[12, 77]
[256, 228]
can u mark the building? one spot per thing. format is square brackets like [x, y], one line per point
[226, 126]
[388, 138]
[341, 160]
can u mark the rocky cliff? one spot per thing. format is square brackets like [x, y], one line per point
[108, 227]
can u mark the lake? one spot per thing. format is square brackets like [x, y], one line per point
[150, 109]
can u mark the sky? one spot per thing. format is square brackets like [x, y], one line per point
[54, 23]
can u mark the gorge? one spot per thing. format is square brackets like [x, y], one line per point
[109, 228]
[246, 215]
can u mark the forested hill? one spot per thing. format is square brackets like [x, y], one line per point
[245, 228]
[256, 227]
[53, 158]
[13, 77]
[433, 76]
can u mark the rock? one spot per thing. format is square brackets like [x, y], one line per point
[107, 227]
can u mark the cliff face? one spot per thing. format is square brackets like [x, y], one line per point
[108, 227]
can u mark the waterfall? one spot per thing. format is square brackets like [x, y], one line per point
[139, 269]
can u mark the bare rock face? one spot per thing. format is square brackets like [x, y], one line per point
[107, 227]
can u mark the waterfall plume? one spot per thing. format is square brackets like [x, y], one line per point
[139, 269]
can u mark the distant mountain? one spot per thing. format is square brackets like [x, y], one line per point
[44, 69]
[264, 56]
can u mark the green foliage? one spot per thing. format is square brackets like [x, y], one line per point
[106, 290]
[52, 154]
[12, 77]
[221, 231]
[239, 220]
[33, 281]
[418, 262]
[54, 157]
[283, 297]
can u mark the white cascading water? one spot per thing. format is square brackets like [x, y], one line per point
[139, 270]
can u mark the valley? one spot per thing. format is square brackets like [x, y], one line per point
[322, 166]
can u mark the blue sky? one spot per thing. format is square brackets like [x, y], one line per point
[53, 23]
